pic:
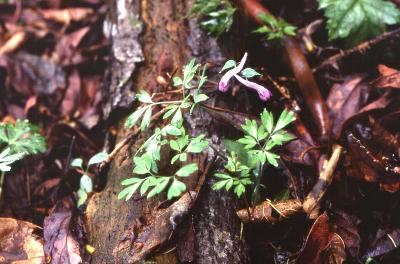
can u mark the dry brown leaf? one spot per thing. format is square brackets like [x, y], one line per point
[60, 244]
[18, 244]
[13, 43]
[67, 15]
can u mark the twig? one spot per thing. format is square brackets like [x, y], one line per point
[325, 178]
[359, 48]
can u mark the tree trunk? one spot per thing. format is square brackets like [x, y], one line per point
[211, 231]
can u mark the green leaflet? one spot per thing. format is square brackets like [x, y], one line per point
[357, 20]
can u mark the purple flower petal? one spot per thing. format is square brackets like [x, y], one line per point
[263, 92]
[223, 83]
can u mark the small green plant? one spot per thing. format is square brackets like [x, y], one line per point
[86, 182]
[216, 15]
[275, 28]
[357, 20]
[254, 150]
[173, 135]
[17, 141]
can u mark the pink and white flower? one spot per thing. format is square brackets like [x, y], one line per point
[263, 92]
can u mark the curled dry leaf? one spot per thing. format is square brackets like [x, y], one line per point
[345, 225]
[18, 244]
[334, 252]
[67, 15]
[373, 155]
[322, 244]
[385, 242]
[13, 43]
[346, 100]
[60, 244]
[390, 78]
[271, 212]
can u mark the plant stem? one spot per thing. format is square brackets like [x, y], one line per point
[1, 183]
[256, 197]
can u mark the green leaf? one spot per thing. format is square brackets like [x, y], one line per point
[181, 156]
[281, 137]
[267, 120]
[197, 145]
[146, 119]
[177, 118]
[215, 16]
[161, 184]
[21, 137]
[98, 158]
[272, 158]
[174, 145]
[130, 181]
[148, 182]
[129, 191]
[200, 98]
[176, 189]
[176, 81]
[250, 127]
[189, 72]
[187, 170]
[285, 119]
[82, 197]
[275, 28]
[219, 184]
[77, 163]
[229, 64]
[239, 190]
[357, 20]
[6, 159]
[249, 73]
[248, 141]
[203, 77]
[144, 97]
[142, 164]
[171, 109]
[86, 183]
[172, 130]
[134, 117]
[222, 175]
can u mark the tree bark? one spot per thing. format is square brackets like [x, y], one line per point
[211, 231]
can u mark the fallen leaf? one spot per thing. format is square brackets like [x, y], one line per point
[384, 243]
[13, 43]
[60, 244]
[345, 100]
[335, 252]
[345, 226]
[322, 244]
[67, 15]
[18, 244]
[390, 78]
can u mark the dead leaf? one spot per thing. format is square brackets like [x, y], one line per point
[385, 242]
[18, 243]
[72, 94]
[390, 78]
[334, 252]
[13, 43]
[60, 244]
[345, 100]
[271, 212]
[67, 15]
[345, 226]
[322, 244]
